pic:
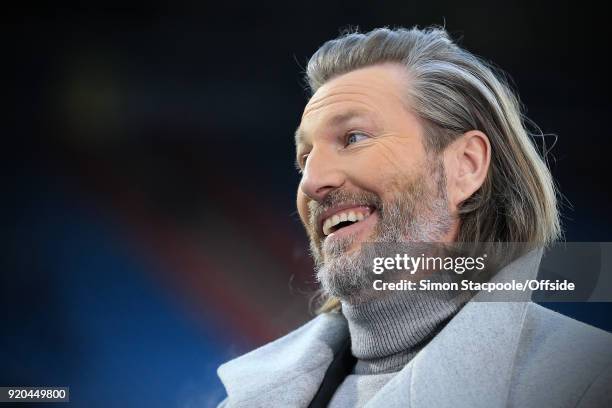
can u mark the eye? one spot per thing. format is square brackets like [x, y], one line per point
[355, 137]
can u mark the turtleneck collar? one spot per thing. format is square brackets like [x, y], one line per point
[386, 333]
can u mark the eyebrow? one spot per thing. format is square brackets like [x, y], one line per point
[336, 121]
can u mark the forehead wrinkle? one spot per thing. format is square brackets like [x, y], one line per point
[382, 86]
[323, 100]
[367, 110]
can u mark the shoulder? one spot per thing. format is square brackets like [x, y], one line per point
[294, 363]
[323, 329]
[545, 330]
[561, 355]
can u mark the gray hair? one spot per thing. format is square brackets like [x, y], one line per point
[452, 91]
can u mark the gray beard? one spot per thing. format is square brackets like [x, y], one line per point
[416, 215]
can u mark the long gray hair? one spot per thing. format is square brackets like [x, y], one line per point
[452, 91]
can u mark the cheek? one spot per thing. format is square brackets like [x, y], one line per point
[391, 158]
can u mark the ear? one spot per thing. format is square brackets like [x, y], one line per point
[467, 162]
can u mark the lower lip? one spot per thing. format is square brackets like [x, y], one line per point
[356, 228]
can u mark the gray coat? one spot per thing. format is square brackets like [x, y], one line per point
[491, 354]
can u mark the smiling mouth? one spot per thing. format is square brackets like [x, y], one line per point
[345, 218]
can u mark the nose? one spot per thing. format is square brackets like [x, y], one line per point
[321, 175]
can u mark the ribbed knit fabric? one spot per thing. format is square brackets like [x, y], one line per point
[386, 333]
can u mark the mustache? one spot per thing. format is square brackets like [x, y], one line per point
[337, 198]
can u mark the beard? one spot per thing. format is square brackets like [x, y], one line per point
[417, 212]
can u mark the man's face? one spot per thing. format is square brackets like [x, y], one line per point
[366, 176]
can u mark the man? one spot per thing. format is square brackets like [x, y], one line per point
[409, 139]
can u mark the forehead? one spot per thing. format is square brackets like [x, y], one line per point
[367, 93]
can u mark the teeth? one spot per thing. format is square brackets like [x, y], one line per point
[341, 217]
[327, 226]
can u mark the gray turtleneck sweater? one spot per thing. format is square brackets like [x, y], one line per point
[386, 334]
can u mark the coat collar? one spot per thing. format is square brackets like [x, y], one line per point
[288, 371]
[469, 361]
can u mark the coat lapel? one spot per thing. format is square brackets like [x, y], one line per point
[288, 371]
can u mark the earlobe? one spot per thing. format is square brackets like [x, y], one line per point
[471, 157]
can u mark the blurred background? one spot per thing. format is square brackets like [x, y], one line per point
[149, 228]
